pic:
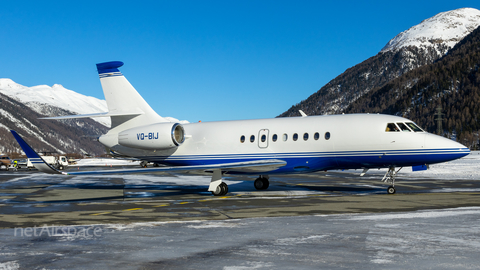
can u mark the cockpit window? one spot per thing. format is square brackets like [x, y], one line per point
[403, 127]
[414, 127]
[391, 127]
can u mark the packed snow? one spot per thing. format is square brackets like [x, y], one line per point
[57, 96]
[447, 28]
[425, 239]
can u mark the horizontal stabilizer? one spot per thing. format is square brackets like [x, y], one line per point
[94, 115]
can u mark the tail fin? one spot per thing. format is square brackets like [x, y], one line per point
[125, 105]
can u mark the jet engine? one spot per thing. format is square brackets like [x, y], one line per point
[159, 136]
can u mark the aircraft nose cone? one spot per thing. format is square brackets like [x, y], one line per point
[446, 148]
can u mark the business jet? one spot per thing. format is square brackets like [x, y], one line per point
[260, 147]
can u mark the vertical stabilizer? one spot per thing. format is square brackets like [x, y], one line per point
[125, 105]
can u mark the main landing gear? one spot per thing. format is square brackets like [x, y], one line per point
[261, 183]
[390, 178]
[219, 188]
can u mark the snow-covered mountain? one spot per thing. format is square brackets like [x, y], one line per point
[418, 46]
[58, 96]
[61, 136]
[442, 30]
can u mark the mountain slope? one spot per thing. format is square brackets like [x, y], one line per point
[453, 83]
[65, 136]
[420, 45]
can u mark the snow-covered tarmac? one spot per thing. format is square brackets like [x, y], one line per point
[425, 239]
[438, 239]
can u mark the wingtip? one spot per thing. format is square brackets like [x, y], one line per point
[37, 161]
[24, 145]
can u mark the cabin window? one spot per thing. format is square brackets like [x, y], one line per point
[305, 136]
[327, 135]
[403, 127]
[414, 127]
[252, 138]
[391, 127]
[274, 137]
[295, 136]
[263, 138]
[285, 137]
[316, 136]
[242, 139]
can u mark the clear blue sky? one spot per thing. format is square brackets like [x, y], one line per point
[202, 60]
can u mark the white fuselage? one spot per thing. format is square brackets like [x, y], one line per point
[322, 143]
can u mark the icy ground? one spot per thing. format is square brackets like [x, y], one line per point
[434, 239]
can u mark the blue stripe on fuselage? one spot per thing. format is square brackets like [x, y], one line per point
[316, 161]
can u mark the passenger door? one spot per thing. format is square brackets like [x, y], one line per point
[263, 138]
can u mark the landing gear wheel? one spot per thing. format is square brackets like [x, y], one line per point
[143, 164]
[391, 190]
[221, 190]
[261, 183]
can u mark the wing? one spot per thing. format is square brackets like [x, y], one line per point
[244, 167]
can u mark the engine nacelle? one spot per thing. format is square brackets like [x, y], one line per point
[159, 136]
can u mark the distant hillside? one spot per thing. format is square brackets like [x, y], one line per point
[453, 83]
[65, 136]
[418, 46]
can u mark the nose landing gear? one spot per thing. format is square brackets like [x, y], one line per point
[390, 178]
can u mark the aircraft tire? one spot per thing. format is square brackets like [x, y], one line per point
[391, 190]
[224, 188]
[221, 190]
[261, 183]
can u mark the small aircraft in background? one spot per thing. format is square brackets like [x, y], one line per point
[256, 147]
